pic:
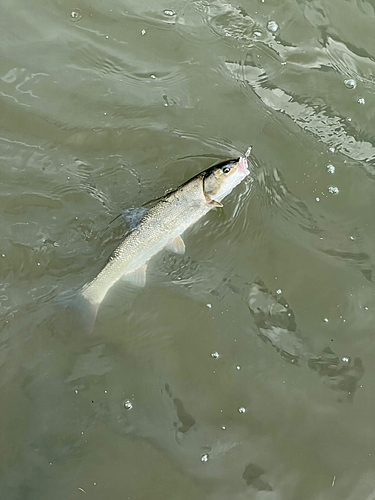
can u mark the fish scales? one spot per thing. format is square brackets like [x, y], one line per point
[169, 218]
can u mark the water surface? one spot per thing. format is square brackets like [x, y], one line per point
[245, 368]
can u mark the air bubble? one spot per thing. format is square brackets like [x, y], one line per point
[331, 169]
[350, 83]
[76, 15]
[128, 405]
[272, 26]
[333, 190]
[204, 457]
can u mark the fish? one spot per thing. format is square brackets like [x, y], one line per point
[161, 228]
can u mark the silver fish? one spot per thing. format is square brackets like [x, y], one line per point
[161, 227]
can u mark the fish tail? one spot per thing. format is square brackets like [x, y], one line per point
[80, 309]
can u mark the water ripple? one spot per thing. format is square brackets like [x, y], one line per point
[332, 130]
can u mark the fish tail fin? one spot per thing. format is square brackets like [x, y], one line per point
[82, 311]
[86, 312]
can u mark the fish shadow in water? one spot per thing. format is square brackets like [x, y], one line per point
[276, 325]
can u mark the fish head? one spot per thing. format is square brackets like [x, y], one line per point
[219, 180]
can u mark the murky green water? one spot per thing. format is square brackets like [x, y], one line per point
[245, 368]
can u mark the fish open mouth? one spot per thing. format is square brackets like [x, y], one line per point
[243, 166]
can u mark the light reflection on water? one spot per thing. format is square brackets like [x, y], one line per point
[244, 368]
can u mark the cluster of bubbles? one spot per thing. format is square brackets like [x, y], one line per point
[128, 405]
[333, 189]
[272, 26]
[76, 15]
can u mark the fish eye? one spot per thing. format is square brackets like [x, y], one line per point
[226, 169]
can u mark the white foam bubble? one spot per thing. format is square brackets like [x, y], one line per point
[128, 405]
[350, 83]
[272, 26]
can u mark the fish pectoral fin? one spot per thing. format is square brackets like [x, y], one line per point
[214, 203]
[137, 277]
[133, 216]
[176, 245]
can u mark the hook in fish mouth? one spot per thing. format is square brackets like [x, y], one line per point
[243, 162]
[243, 166]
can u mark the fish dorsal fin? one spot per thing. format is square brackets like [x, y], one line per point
[137, 277]
[176, 245]
[133, 216]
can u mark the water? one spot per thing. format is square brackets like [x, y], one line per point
[245, 368]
